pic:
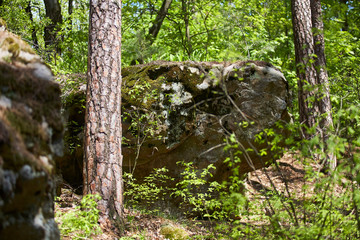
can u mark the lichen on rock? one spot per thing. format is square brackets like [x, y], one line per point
[201, 103]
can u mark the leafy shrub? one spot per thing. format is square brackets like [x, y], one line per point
[196, 193]
[83, 221]
[143, 195]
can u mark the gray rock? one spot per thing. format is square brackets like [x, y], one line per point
[189, 109]
[199, 105]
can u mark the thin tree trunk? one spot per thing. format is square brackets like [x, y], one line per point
[306, 72]
[70, 11]
[188, 47]
[156, 26]
[346, 20]
[53, 12]
[320, 63]
[324, 102]
[33, 31]
[287, 30]
[69, 29]
[103, 132]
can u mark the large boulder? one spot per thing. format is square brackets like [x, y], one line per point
[31, 132]
[183, 111]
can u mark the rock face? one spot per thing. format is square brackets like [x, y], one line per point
[31, 132]
[183, 111]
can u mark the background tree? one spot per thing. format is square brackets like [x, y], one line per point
[154, 29]
[53, 12]
[33, 30]
[156, 25]
[304, 58]
[313, 85]
[320, 64]
[103, 133]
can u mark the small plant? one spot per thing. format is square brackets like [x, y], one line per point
[82, 222]
[197, 192]
[140, 236]
[326, 204]
[143, 195]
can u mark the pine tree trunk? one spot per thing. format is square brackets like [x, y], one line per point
[313, 83]
[320, 64]
[304, 56]
[103, 132]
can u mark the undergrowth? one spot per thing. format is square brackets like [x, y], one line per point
[326, 206]
[82, 221]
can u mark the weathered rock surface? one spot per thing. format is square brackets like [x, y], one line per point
[31, 132]
[194, 107]
[183, 111]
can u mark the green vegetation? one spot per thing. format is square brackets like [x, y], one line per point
[81, 222]
[325, 206]
[142, 196]
[173, 233]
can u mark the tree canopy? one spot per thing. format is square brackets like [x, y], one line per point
[195, 30]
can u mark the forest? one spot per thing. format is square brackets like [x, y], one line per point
[308, 188]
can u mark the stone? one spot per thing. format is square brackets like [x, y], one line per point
[184, 111]
[193, 107]
[31, 138]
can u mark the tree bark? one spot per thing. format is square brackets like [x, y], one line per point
[304, 56]
[185, 5]
[313, 83]
[346, 20]
[320, 64]
[53, 12]
[324, 102]
[33, 31]
[156, 26]
[103, 131]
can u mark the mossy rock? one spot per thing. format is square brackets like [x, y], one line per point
[14, 50]
[31, 137]
[183, 111]
[173, 232]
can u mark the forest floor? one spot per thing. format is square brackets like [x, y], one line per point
[145, 226]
